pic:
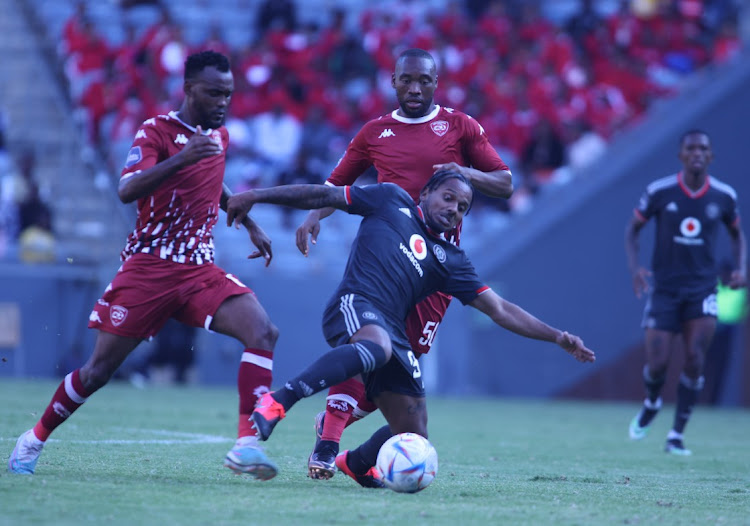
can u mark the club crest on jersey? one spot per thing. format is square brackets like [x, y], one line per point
[690, 227]
[134, 156]
[418, 246]
[369, 315]
[439, 253]
[216, 136]
[712, 210]
[440, 128]
[117, 314]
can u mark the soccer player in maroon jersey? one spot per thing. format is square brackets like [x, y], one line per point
[406, 146]
[175, 172]
[689, 208]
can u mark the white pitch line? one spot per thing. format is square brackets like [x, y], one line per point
[185, 438]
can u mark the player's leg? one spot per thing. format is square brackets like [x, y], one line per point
[341, 402]
[661, 327]
[370, 349]
[697, 336]
[398, 391]
[243, 317]
[109, 353]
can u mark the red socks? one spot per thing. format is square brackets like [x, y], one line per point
[341, 405]
[70, 395]
[253, 380]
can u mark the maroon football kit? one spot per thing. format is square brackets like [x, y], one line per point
[168, 268]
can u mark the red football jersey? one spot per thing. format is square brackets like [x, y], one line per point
[176, 221]
[403, 150]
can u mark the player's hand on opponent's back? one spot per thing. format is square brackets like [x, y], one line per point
[199, 147]
[310, 226]
[574, 346]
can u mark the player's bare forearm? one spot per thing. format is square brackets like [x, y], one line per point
[493, 184]
[739, 249]
[512, 317]
[226, 193]
[304, 196]
[631, 243]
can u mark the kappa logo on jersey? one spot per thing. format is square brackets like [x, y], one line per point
[418, 246]
[150, 122]
[672, 207]
[181, 139]
[386, 133]
[141, 134]
[405, 211]
[439, 128]
[439, 253]
[216, 136]
[117, 314]
[690, 227]
[134, 156]
[94, 316]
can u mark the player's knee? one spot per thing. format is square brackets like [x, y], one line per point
[372, 354]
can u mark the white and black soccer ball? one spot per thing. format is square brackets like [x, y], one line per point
[407, 462]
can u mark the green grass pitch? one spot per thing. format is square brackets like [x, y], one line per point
[154, 456]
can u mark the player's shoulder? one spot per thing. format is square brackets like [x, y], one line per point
[723, 188]
[663, 184]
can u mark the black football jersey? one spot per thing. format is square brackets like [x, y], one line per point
[395, 260]
[687, 223]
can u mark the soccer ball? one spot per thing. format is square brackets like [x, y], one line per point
[408, 463]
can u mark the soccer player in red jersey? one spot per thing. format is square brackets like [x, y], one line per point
[175, 172]
[406, 147]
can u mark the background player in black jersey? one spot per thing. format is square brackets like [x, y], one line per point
[398, 257]
[689, 207]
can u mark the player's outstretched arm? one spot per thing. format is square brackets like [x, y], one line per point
[305, 196]
[512, 317]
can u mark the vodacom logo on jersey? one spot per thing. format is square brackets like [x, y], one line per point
[690, 228]
[418, 246]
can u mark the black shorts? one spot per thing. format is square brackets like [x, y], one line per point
[668, 310]
[402, 373]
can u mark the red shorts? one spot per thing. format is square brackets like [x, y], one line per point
[148, 290]
[423, 320]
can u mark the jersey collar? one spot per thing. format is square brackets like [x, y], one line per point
[439, 235]
[173, 115]
[418, 120]
[700, 192]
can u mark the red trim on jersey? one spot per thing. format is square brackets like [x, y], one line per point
[483, 289]
[348, 195]
[639, 216]
[690, 193]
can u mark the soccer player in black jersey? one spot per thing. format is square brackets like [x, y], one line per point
[689, 208]
[399, 257]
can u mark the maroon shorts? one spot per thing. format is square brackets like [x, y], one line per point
[148, 290]
[423, 320]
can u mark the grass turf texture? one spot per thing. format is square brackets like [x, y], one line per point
[155, 456]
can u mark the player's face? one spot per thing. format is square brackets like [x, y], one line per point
[414, 80]
[695, 153]
[445, 206]
[208, 96]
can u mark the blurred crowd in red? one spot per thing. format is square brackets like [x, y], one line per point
[547, 94]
